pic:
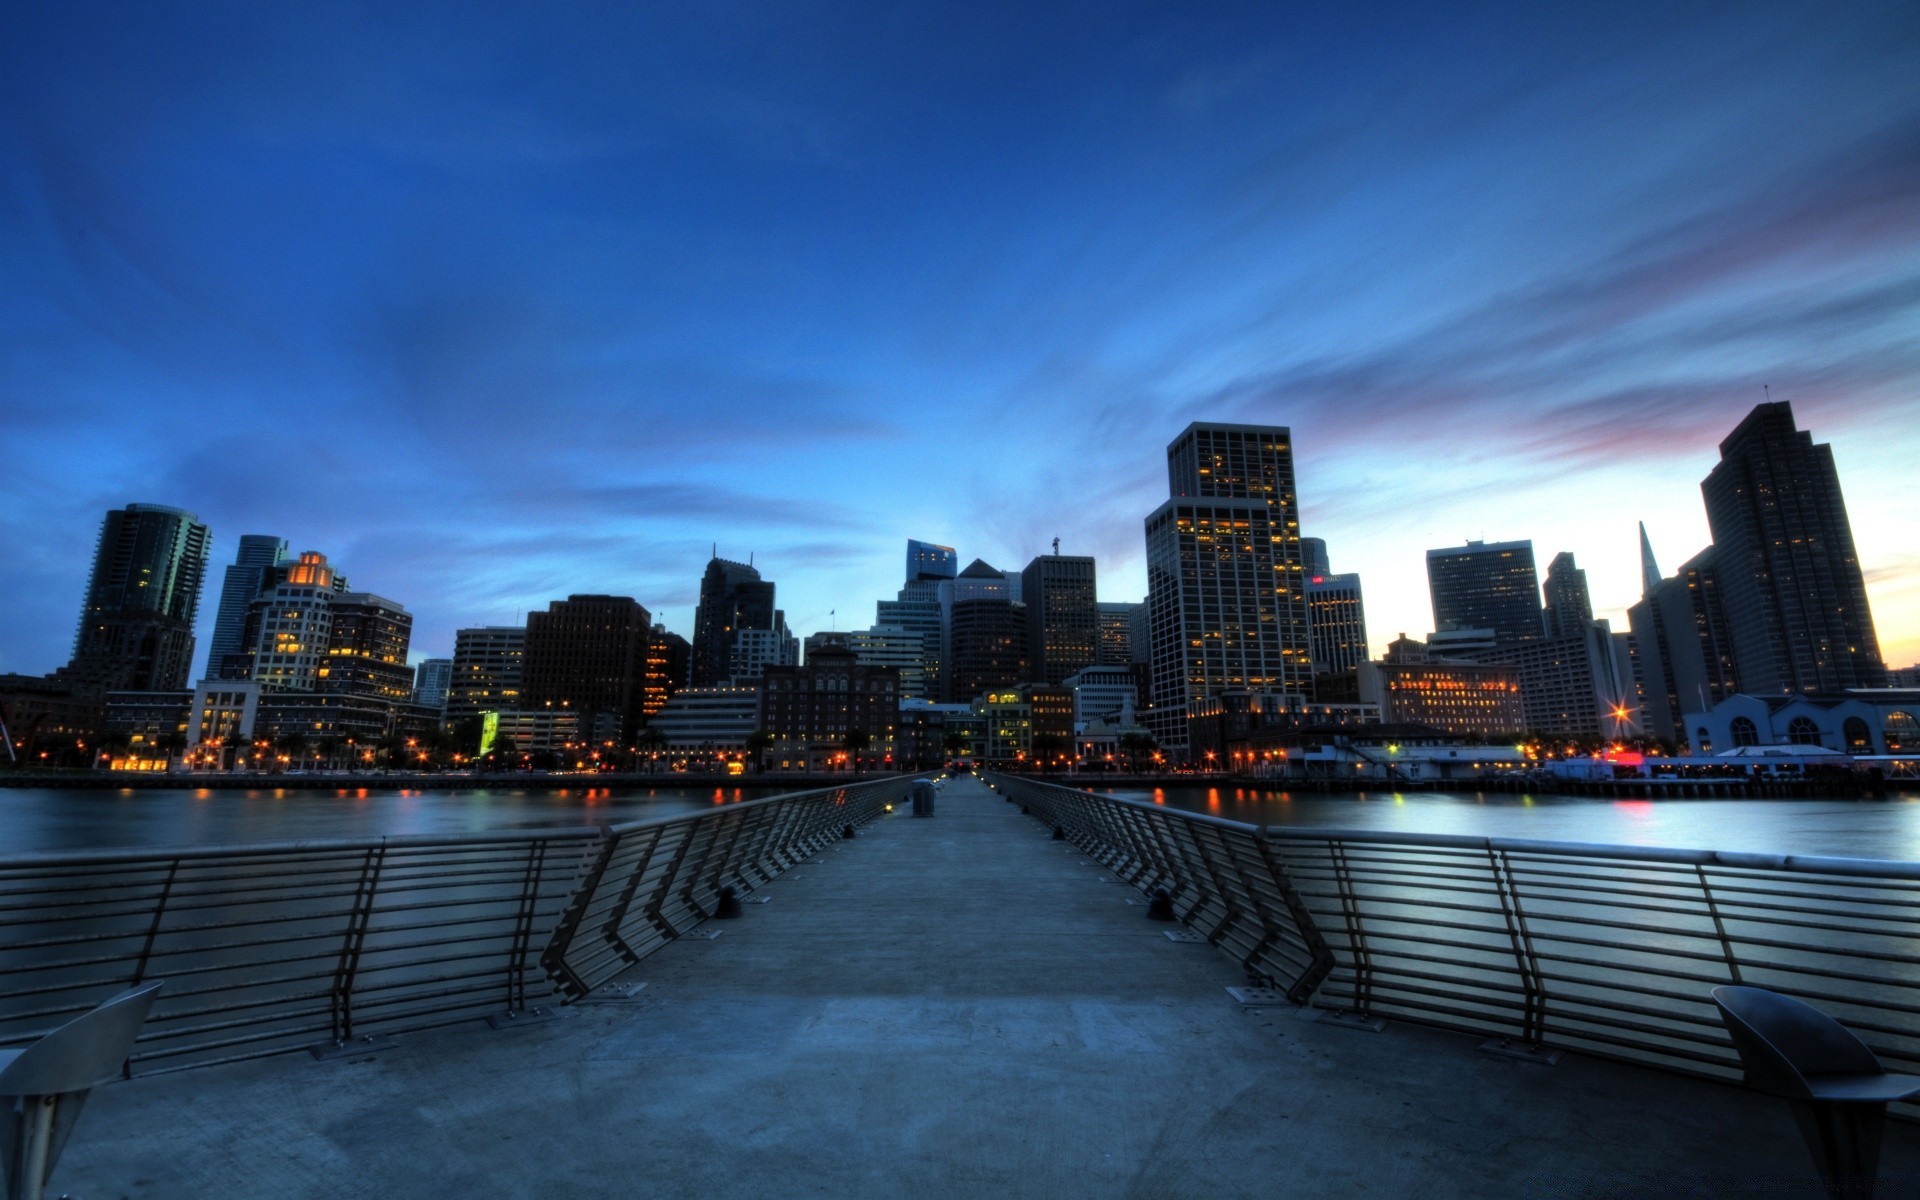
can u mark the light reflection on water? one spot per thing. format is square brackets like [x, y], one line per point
[1887, 828]
[35, 820]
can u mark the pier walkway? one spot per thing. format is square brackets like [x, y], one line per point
[947, 1007]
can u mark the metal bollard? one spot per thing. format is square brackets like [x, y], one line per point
[1160, 908]
[728, 906]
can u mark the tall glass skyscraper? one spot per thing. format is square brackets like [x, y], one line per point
[250, 574]
[928, 561]
[136, 627]
[1790, 579]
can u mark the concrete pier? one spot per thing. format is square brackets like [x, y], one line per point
[947, 1007]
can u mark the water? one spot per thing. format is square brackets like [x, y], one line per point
[1848, 828]
[55, 819]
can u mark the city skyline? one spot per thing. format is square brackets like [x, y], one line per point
[482, 357]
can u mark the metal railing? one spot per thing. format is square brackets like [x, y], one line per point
[267, 948]
[1607, 950]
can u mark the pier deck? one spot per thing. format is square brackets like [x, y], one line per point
[954, 1007]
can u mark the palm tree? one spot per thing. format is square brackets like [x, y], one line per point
[856, 741]
[652, 743]
[293, 745]
[1049, 746]
[758, 743]
[1136, 746]
[171, 744]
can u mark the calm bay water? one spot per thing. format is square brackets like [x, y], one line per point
[39, 820]
[1851, 828]
[54, 819]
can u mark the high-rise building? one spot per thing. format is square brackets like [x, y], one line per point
[136, 626]
[890, 646]
[928, 561]
[668, 658]
[1063, 623]
[1337, 618]
[1226, 595]
[1796, 603]
[289, 627]
[249, 575]
[1313, 557]
[986, 634]
[367, 652]
[1486, 585]
[589, 654]
[1682, 649]
[811, 709]
[754, 650]
[980, 581]
[431, 680]
[488, 666]
[733, 598]
[1114, 644]
[1569, 606]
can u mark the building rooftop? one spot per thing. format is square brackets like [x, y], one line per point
[948, 1007]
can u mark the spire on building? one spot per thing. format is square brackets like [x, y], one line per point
[1649, 569]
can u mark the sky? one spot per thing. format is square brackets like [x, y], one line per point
[496, 303]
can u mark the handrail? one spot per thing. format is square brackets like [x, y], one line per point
[1606, 949]
[273, 946]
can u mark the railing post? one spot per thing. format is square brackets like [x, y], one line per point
[153, 928]
[1356, 929]
[1532, 1016]
[1321, 954]
[1719, 926]
[523, 927]
[610, 929]
[341, 1000]
[554, 957]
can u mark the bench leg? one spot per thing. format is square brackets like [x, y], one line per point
[1845, 1141]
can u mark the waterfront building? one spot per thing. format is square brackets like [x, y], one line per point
[1336, 619]
[1226, 595]
[1486, 585]
[289, 627]
[537, 731]
[366, 652]
[431, 680]
[1102, 692]
[154, 725]
[1472, 699]
[669, 657]
[1790, 579]
[251, 573]
[715, 719]
[1114, 646]
[1222, 730]
[733, 597]
[1005, 722]
[1855, 721]
[488, 665]
[1063, 621]
[136, 625]
[816, 711]
[589, 653]
[38, 711]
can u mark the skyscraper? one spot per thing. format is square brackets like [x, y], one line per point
[246, 578]
[1682, 651]
[1337, 619]
[1062, 616]
[1569, 606]
[668, 658]
[1796, 603]
[1225, 592]
[1486, 585]
[431, 679]
[1114, 647]
[367, 652]
[988, 637]
[136, 626]
[589, 654]
[1313, 557]
[488, 664]
[928, 561]
[733, 597]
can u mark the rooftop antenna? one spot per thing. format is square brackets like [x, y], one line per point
[1056, 547]
[1767, 390]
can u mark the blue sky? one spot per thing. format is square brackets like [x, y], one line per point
[492, 304]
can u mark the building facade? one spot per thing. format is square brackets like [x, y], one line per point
[1486, 585]
[1857, 721]
[1337, 621]
[1063, 621]
[709, 719]
[488, 664]
[251, 573]
[815, 712]
[1113, 645]
[1469, 699]
[432, 679]
[588, 653]
[1682, 649]
[1796, 602]
[987, 647]
[143, 594]
[733, 598]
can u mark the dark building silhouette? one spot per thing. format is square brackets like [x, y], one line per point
[1796, 603]
[1063, 617]
[988, 640]
[1486, 585]
[589, 654]
[668, 657]
[136, 626]
[927, 561]
[733, 597]
[1682, 651]
[250, 574]
[1569, 606]
[1313, 557]
[811, 709]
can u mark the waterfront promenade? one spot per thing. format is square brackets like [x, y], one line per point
[955, 1007]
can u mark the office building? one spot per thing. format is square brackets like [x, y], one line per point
[1226, 595]
[1486, 585]
[488, 664]
[1569, 606]
[1471, 699]
[1795, 599]
[733, 598]
[927, 561]
[987, 646]
[250, 574]
[814, 711]
[136, 625]
[366, 652]
[1063, 622]
[1682, 648]
[890, 646]
[1313, 557]
[289, 627]
[669, 657]
[754, 650]
[1336, 614]
[1103, 693]
[588, 653]
[1113, 645]
[718, 719]
[431, 681]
